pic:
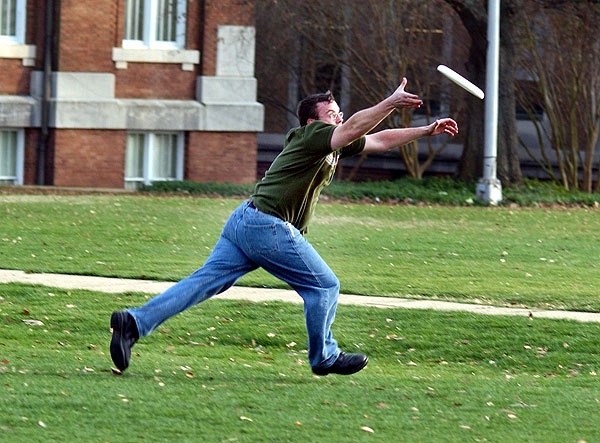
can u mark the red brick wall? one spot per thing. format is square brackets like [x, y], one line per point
[221, 157]
[30, 167]
[87, 34]
[14, 77]
[155, 80]
[221, 12]
[94, 158]
[34, 34]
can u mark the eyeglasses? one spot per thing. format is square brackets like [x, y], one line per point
[335, 115]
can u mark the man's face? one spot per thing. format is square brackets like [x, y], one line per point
[329, 113]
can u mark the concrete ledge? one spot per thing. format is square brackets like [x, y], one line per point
[226, 89]
[76, 85]
[246, 117]
[18, 111]
[86, 100]
[25, 52]
[163, 115]
[156, 115]
[87, 114]
[187, 57]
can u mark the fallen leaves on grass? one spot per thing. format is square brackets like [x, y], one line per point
[510, 414]
[367, 429]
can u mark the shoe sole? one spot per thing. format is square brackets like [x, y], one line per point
[361, 367]
[353, 371]
[117, 351]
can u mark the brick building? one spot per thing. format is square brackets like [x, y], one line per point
[113, 93]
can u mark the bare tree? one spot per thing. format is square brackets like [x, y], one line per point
[361, 50]
[561, 55]
[473, 14]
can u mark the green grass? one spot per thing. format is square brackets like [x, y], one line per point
[536, 257]
[237, 371]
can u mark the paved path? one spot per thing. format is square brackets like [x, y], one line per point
[119, 285]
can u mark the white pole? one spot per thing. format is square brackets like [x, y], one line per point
[489, 188]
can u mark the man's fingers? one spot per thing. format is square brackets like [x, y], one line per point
[411, 101]
[445, 126]
[450, 127]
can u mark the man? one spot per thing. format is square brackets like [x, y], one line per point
[268, 230]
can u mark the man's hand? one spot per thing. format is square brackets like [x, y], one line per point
[443, 126]
[366, 120]
[402, 99]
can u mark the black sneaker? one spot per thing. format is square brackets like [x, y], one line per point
[124, 336]
[345, 364]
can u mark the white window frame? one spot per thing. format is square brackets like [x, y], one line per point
[150, 50]
[150, 19]
[150, 140]
[19, 18]
[13, 46]
[17, 178]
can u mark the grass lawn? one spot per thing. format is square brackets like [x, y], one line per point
[237, 371]
[534, 257]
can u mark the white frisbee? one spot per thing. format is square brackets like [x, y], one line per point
[461, 81]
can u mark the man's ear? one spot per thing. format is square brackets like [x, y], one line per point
[310, 120]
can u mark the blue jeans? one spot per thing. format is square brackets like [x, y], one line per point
[252, 239]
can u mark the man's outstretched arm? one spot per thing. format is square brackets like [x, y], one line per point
[392, 138]
[364, 121]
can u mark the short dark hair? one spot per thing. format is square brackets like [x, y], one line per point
[307, 108]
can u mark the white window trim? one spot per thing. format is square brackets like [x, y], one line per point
[25, 52]
[20, 14]
[14, 46]
[150, 19]
[150, 50]
[187, 57]
[149, 140]
[20, 158]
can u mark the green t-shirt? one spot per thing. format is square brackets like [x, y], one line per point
[291, 187]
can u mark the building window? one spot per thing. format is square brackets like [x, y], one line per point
[12, 32]
[153, 157]
[12, 21]
[155, 24]
[11, 157]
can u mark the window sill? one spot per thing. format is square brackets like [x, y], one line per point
[14, 50]
[188, 58]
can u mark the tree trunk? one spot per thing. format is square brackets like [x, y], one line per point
[509, 166]
[471, 160]
[474, 17]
